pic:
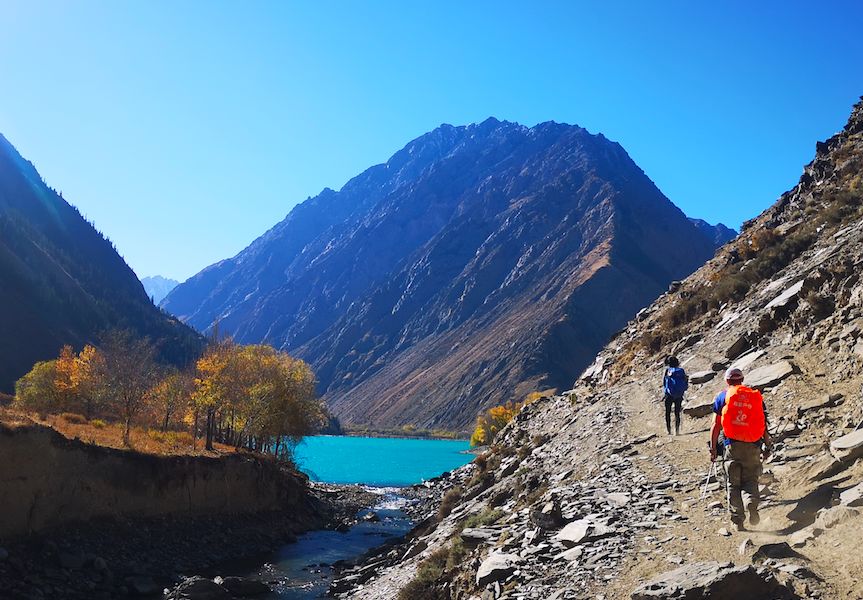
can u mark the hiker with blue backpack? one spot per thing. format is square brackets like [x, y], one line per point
[674, 385]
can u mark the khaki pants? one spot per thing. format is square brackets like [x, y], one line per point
[743, 467]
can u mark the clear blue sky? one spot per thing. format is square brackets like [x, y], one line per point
[186, 129]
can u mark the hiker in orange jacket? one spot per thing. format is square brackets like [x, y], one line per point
[741, 417]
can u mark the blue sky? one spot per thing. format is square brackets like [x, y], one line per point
[186, 129]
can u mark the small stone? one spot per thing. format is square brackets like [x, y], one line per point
[571, 555]
[744, 547]
[723, 532]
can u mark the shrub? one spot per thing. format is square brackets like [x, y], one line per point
[822, 306]
[426, 583]
[74, 418]
[486, 517]
[98, 423]
[449, 502]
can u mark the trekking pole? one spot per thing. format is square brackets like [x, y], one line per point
[710, 472]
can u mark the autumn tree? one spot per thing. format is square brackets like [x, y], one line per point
[125, 375]
[255, 396]
[492, 421]
[75, 380]
[171, 395]
[36, 391]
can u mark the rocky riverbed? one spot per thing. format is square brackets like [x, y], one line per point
[108, 559]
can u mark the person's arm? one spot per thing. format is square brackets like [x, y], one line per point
[714, 436]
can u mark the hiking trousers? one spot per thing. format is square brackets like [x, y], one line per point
[678, 404]
[743, 468]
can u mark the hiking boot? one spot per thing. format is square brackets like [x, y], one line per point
[754, 517]
[740, 526]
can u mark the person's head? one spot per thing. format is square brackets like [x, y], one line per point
[734, 376]
[672, 361]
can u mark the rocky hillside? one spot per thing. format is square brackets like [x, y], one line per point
[61, 281]
[583, 495]
[478, 264]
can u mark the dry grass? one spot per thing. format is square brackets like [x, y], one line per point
[110, 435]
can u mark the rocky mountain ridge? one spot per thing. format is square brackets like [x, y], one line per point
[61, 281]
[157, 287]
[583, 495]
[475, 266]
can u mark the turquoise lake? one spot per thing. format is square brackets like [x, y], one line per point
[377, 461]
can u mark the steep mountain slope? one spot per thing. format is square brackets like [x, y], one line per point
[593, 498]
[61, 282]
[478, 264]
[157, 287]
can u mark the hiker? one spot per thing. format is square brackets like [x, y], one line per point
[674, 385]
[741, 418]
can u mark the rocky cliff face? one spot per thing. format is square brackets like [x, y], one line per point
[584, 494]
[50, 481]
[61, 281]
[478, 264]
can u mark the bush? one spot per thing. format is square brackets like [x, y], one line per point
[449, 502]
[486, 517]
[74, 418]
[426, 584]
[98, 423]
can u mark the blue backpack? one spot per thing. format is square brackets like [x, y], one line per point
[675, 382]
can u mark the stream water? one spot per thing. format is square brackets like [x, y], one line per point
[304, 569]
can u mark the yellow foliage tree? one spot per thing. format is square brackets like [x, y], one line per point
[492, 421]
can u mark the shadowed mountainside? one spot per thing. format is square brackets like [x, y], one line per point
[61, 281]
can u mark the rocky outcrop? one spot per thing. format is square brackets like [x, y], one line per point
[715, 581]
[50, 481]
[477, 265]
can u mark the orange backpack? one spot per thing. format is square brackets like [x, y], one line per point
[743, 414]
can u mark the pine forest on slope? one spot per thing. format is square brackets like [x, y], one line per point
[62, 282]
[477, 264]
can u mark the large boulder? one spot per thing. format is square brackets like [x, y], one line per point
[199, 588]
[701, 377]
[787, 297]
[769, 376]
[574, 533]
[696, 411]
[714, 581]
[848, 447]
[852, 496]
[496, 567]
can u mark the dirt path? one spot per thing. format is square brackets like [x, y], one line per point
[692, 535]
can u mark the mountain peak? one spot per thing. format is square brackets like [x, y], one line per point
[477, 264]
